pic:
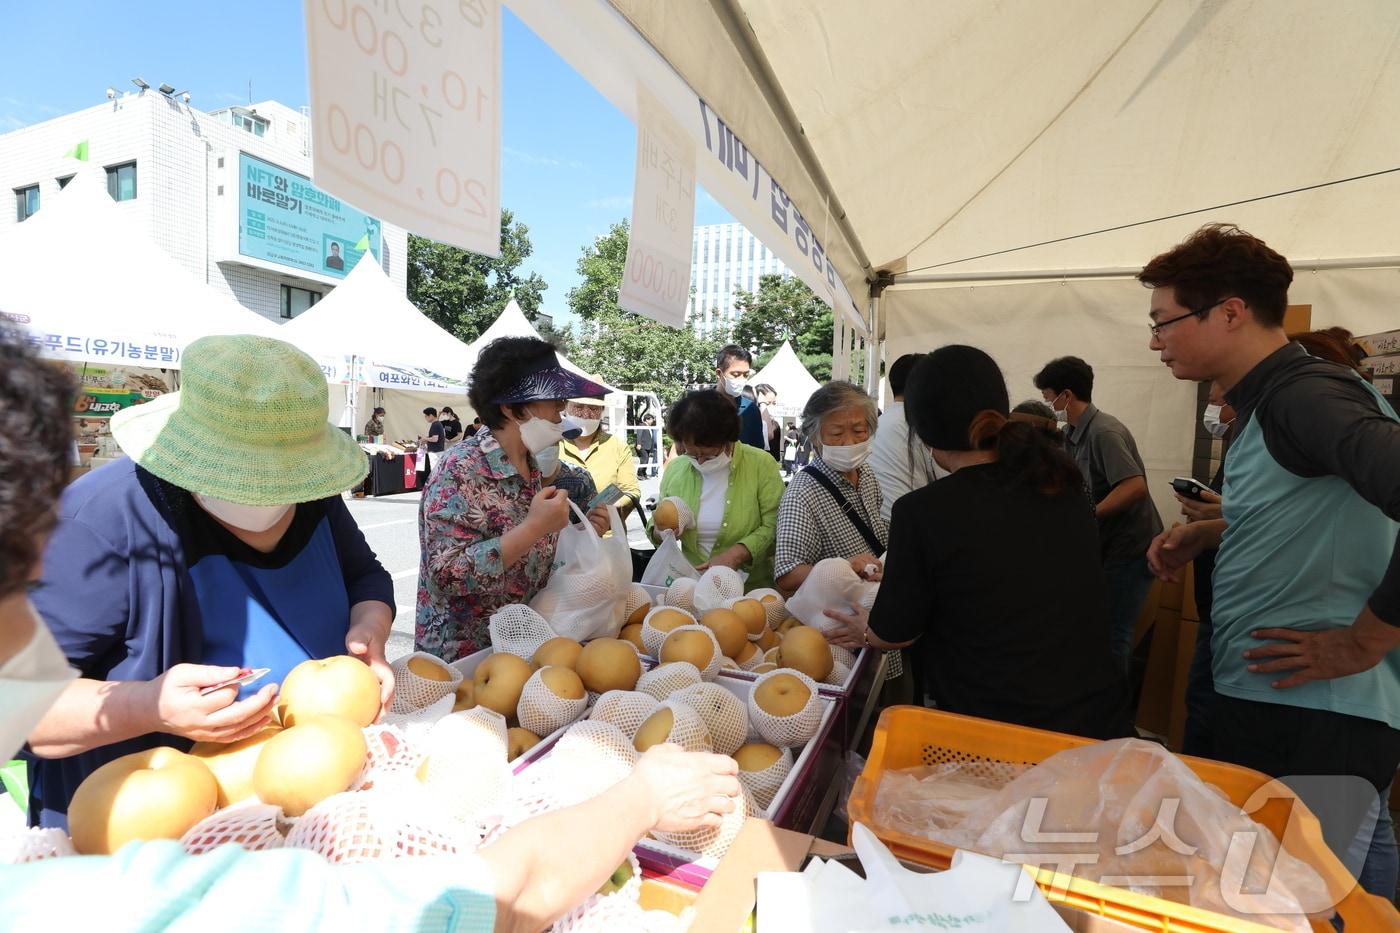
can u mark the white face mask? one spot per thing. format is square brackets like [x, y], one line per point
[734, 385]
[1061, 414]
[713, 466]
[1211, 419]
[30, 682]
[589, 426]
[843, 458]
[538, 434]
[548, 461]
[253, 518]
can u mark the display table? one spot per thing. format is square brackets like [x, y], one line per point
[391, 470]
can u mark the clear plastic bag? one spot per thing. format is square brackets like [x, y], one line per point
[1127, 813]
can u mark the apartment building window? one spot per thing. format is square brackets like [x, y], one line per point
[121, 181]
[26, 202]
[296, 300]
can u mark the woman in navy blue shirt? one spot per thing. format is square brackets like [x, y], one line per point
[221, 543]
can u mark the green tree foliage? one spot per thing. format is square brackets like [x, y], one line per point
[464, 292]
[626, 349]
[784, 308]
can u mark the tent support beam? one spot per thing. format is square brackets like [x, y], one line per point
[736, 24]
[1121, 272]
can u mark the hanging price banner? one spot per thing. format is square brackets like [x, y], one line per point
[405, 110]
[656, 281]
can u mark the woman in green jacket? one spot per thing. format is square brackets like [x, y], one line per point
[733, 490]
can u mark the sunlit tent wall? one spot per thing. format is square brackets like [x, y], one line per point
[931, 142]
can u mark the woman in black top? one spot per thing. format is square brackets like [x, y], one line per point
[995, 569]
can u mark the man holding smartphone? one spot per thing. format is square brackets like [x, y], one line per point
[1307, 580]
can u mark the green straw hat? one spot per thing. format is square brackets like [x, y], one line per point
[249, 425]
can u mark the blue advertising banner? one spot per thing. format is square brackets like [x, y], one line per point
[284, 219]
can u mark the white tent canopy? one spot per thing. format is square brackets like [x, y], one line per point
[367, 317]
[512, 323]
[964, 164]
[789, 378]
[92, 286]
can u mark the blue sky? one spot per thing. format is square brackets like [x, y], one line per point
[566, 167]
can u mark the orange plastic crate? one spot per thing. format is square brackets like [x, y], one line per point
[911, 736]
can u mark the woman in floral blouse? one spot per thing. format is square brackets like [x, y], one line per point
[488, 524]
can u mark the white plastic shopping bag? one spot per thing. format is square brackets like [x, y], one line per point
[586, 595]
[831, 584]
[668, 563]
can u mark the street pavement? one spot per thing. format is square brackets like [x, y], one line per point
[390, 525]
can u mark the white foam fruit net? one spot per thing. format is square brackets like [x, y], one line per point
[465, 770]
[729, 664]
[830, 584]
[412, 692]
[597, 744]
[254, 825]
[716, 587]
[660, 682]
[841, 655]
[541, 711]
[564, 602]
[724, 714]
[681, 594]
[391, 752]
[604, 913]
[754, 661]
[625, 709]
[596, 756]
[839, 672]
[762, 786]
[711, 670]
[417, 722]
[637, 597]
[771, 655]
[688, 730]
[868, 593]
[34, 845]
[684, 516]
[775, 608]
[652, 637]
[519, 630]
[394, 821]
[712, 842]
[787, 731]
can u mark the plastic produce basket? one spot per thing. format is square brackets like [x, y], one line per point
[911, 736]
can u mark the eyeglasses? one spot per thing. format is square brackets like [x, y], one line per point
[1202, 312]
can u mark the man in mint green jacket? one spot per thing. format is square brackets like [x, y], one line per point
[733, 490]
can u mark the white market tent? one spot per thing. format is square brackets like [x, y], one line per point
[790, 379]
[88, 282]
[512, 322]
[995, 174]
[385, 342]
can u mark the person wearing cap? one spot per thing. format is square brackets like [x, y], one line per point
[605, 456]
[526, 878]
[488, 523]
[1004, 632]
[219, 542]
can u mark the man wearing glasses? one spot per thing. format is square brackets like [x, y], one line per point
[1117, 479]
[1306, 610]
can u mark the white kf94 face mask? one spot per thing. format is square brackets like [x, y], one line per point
[845, 457]
[253, 518]
[30, 682]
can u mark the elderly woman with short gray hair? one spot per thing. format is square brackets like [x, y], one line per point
[832, 508]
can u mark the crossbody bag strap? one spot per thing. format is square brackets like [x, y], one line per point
[845, 505]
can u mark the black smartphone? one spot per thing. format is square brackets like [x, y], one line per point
[1190, 488]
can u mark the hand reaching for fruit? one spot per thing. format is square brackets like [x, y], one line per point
[853, 624]
[685, 790]
[862, 564]
[365, 641]
[177, 707]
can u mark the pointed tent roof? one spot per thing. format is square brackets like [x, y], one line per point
[513, 323]
[367, 316]
[790, 378]
[85, 276]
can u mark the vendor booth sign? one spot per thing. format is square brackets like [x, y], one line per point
[104, 392]
[285, 223]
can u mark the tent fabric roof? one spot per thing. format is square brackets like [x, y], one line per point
[921, 134]
[793, 383]
[83, 269]
[367, 316]
[512, 322]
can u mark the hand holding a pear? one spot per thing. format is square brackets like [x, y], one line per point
[684, 790]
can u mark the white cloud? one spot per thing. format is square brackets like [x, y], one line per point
[531, 158]
[615, 203]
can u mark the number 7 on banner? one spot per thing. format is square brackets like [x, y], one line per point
[405, 113]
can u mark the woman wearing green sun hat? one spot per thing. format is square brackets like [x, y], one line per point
[219, 542]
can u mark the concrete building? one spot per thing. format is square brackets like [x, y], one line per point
[226, 192]
[724, 258]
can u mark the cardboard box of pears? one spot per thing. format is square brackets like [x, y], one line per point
[326, 745]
